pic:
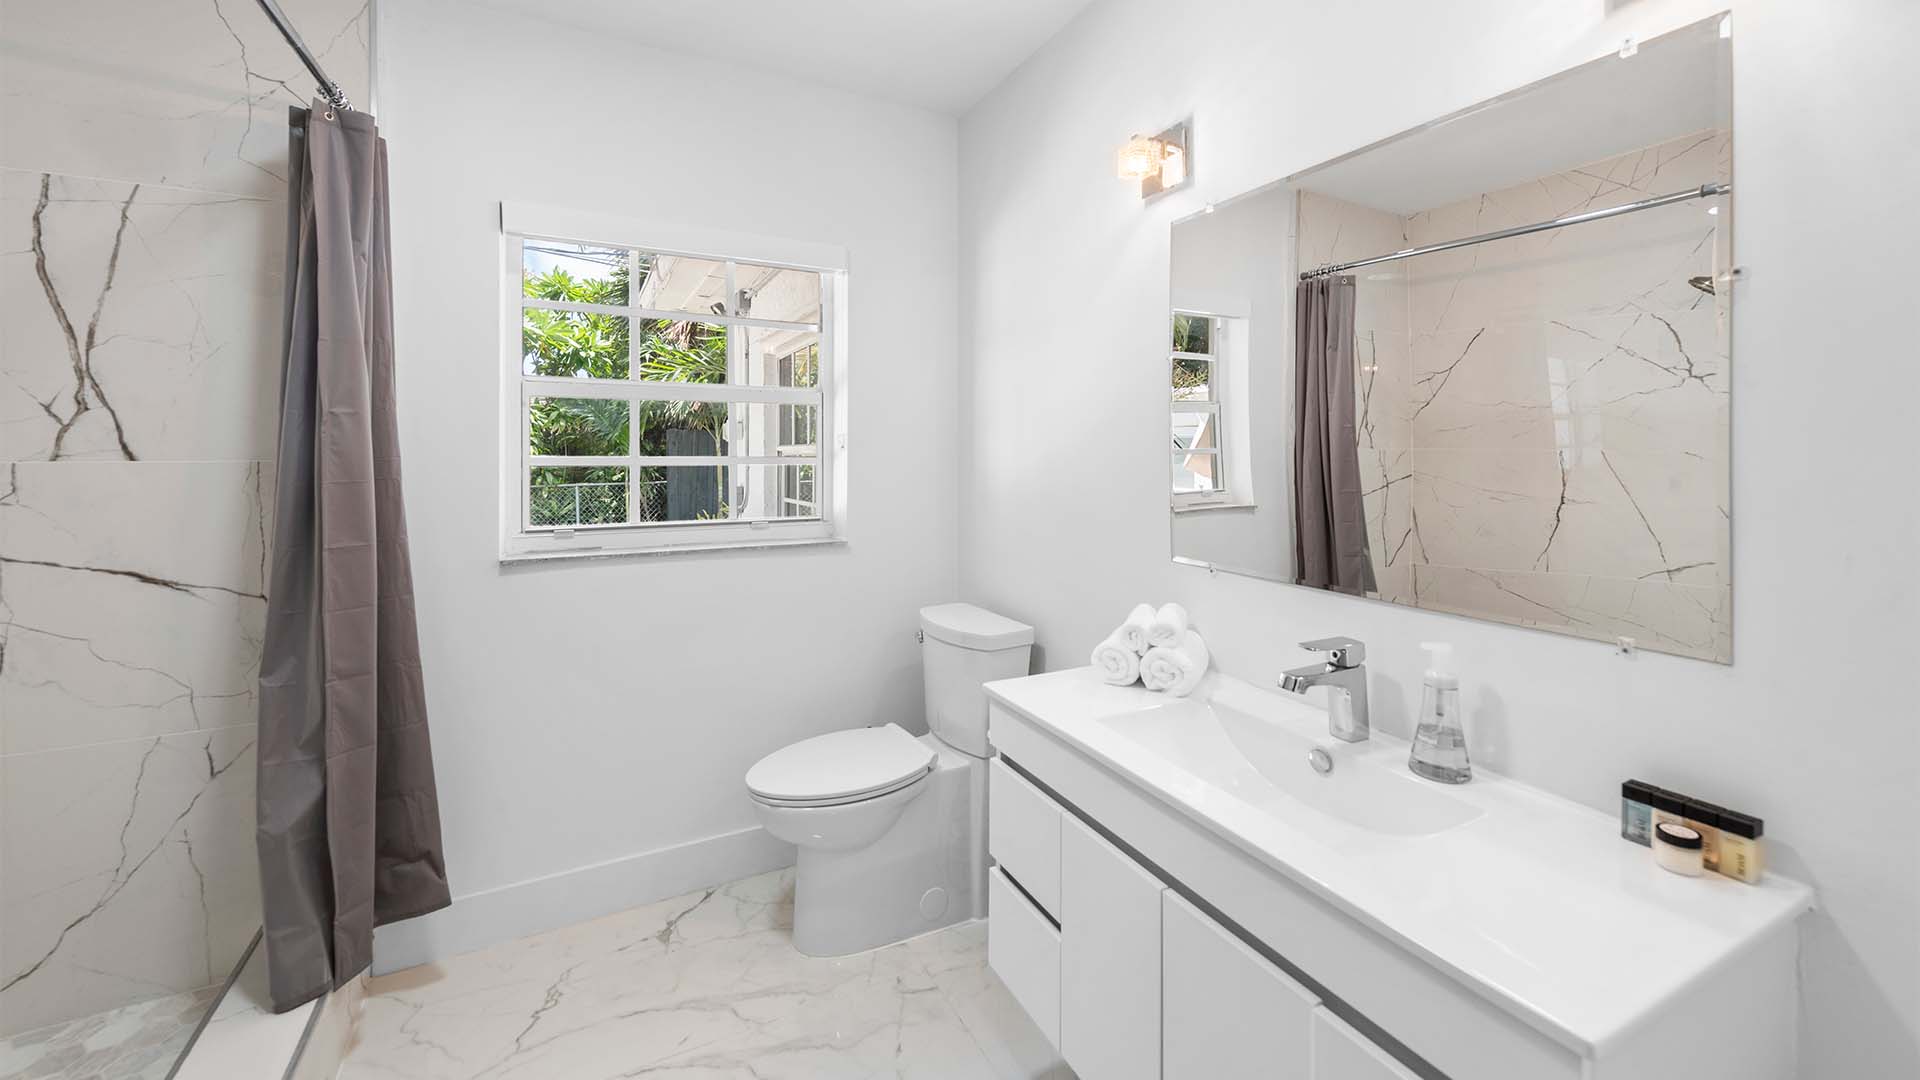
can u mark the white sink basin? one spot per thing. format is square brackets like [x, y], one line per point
[1258, 750]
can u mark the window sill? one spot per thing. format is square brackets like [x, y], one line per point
[1198, 508]
[577, 555]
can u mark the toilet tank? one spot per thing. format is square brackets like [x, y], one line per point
[962, 646]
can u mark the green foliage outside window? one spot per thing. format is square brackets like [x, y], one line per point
[592, 345]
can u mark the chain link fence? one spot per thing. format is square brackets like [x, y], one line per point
[565, 505]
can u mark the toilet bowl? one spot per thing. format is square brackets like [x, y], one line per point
[890, 827]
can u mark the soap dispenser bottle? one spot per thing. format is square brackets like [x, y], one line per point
[1439, 742]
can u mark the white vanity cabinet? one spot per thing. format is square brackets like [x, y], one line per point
[1109, 959]
[1137, 983]
[1023, 830]
[1023, 948]
[1341, 1053]
[1156, 927]
[1226, 1010]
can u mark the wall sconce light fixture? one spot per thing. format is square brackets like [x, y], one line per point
[1159, 162]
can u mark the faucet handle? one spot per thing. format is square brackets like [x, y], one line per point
[1343, 652]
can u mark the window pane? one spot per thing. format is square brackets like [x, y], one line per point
[1192, 379]
[569, 344]
[1196, 472]
[1194, 431]
[773, 429]
[769, 292]
[677, 494]
[557, 270]
[686, 428]
[680, 283]
[782, 357]
[1192, 333]
[799, 429]
[774, 492]
[561, 498]
[672, 350]
[577, 427]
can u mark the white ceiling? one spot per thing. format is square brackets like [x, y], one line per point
[941, 54]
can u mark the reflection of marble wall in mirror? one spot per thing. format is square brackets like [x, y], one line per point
[1234, 263]
[1542, 420]
[1589, 417]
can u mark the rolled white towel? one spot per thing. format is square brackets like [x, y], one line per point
[1116, 660]
[1167, 626]
[1176, 669]
[1135, 630]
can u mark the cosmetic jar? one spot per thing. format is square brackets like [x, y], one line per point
[1677, 848]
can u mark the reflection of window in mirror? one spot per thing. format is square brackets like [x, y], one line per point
[1199, 366]
[1198, 464]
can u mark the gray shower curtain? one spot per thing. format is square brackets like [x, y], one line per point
[349, 823]
[1329, 516]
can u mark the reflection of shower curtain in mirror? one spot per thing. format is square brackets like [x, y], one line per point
[1330, 520]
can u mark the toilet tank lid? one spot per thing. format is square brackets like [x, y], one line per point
[973, 628]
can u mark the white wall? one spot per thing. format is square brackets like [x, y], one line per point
[590, 712]
[1811, 727]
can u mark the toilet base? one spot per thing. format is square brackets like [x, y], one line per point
[917, 877]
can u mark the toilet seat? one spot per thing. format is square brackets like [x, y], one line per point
[841, 767]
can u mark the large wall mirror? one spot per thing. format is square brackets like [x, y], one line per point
[1525, 422]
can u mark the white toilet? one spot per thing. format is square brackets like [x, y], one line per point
[892, 829]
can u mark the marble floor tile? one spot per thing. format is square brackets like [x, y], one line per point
[244, 1036]
[704, 986]
[132, 1042]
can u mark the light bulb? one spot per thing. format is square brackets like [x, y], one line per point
[1140, 157]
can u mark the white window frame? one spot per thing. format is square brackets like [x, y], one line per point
[1215, 405]
[519, 540]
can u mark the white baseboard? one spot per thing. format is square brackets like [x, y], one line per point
[512, 911]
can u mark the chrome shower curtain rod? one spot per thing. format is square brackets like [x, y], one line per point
[1704, 191]
[329, 89]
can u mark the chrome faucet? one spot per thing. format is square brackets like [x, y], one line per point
[1345, 676]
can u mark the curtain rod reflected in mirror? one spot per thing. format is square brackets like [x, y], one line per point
[1704, 191]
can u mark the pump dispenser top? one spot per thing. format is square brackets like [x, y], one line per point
[1440, 665]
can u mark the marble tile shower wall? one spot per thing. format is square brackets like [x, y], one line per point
[142, 221]
[1544, 420]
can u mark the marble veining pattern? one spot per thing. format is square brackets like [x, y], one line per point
[705, 986]
[132, 1042]
[1544, 420]
[142, 233]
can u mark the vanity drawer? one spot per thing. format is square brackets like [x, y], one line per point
[1023, 834]
[1023, 948]
[1341, 1053]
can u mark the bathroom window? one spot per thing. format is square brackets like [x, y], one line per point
[1198, 382]
[666, 390]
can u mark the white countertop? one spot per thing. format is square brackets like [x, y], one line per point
[1537, 904]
